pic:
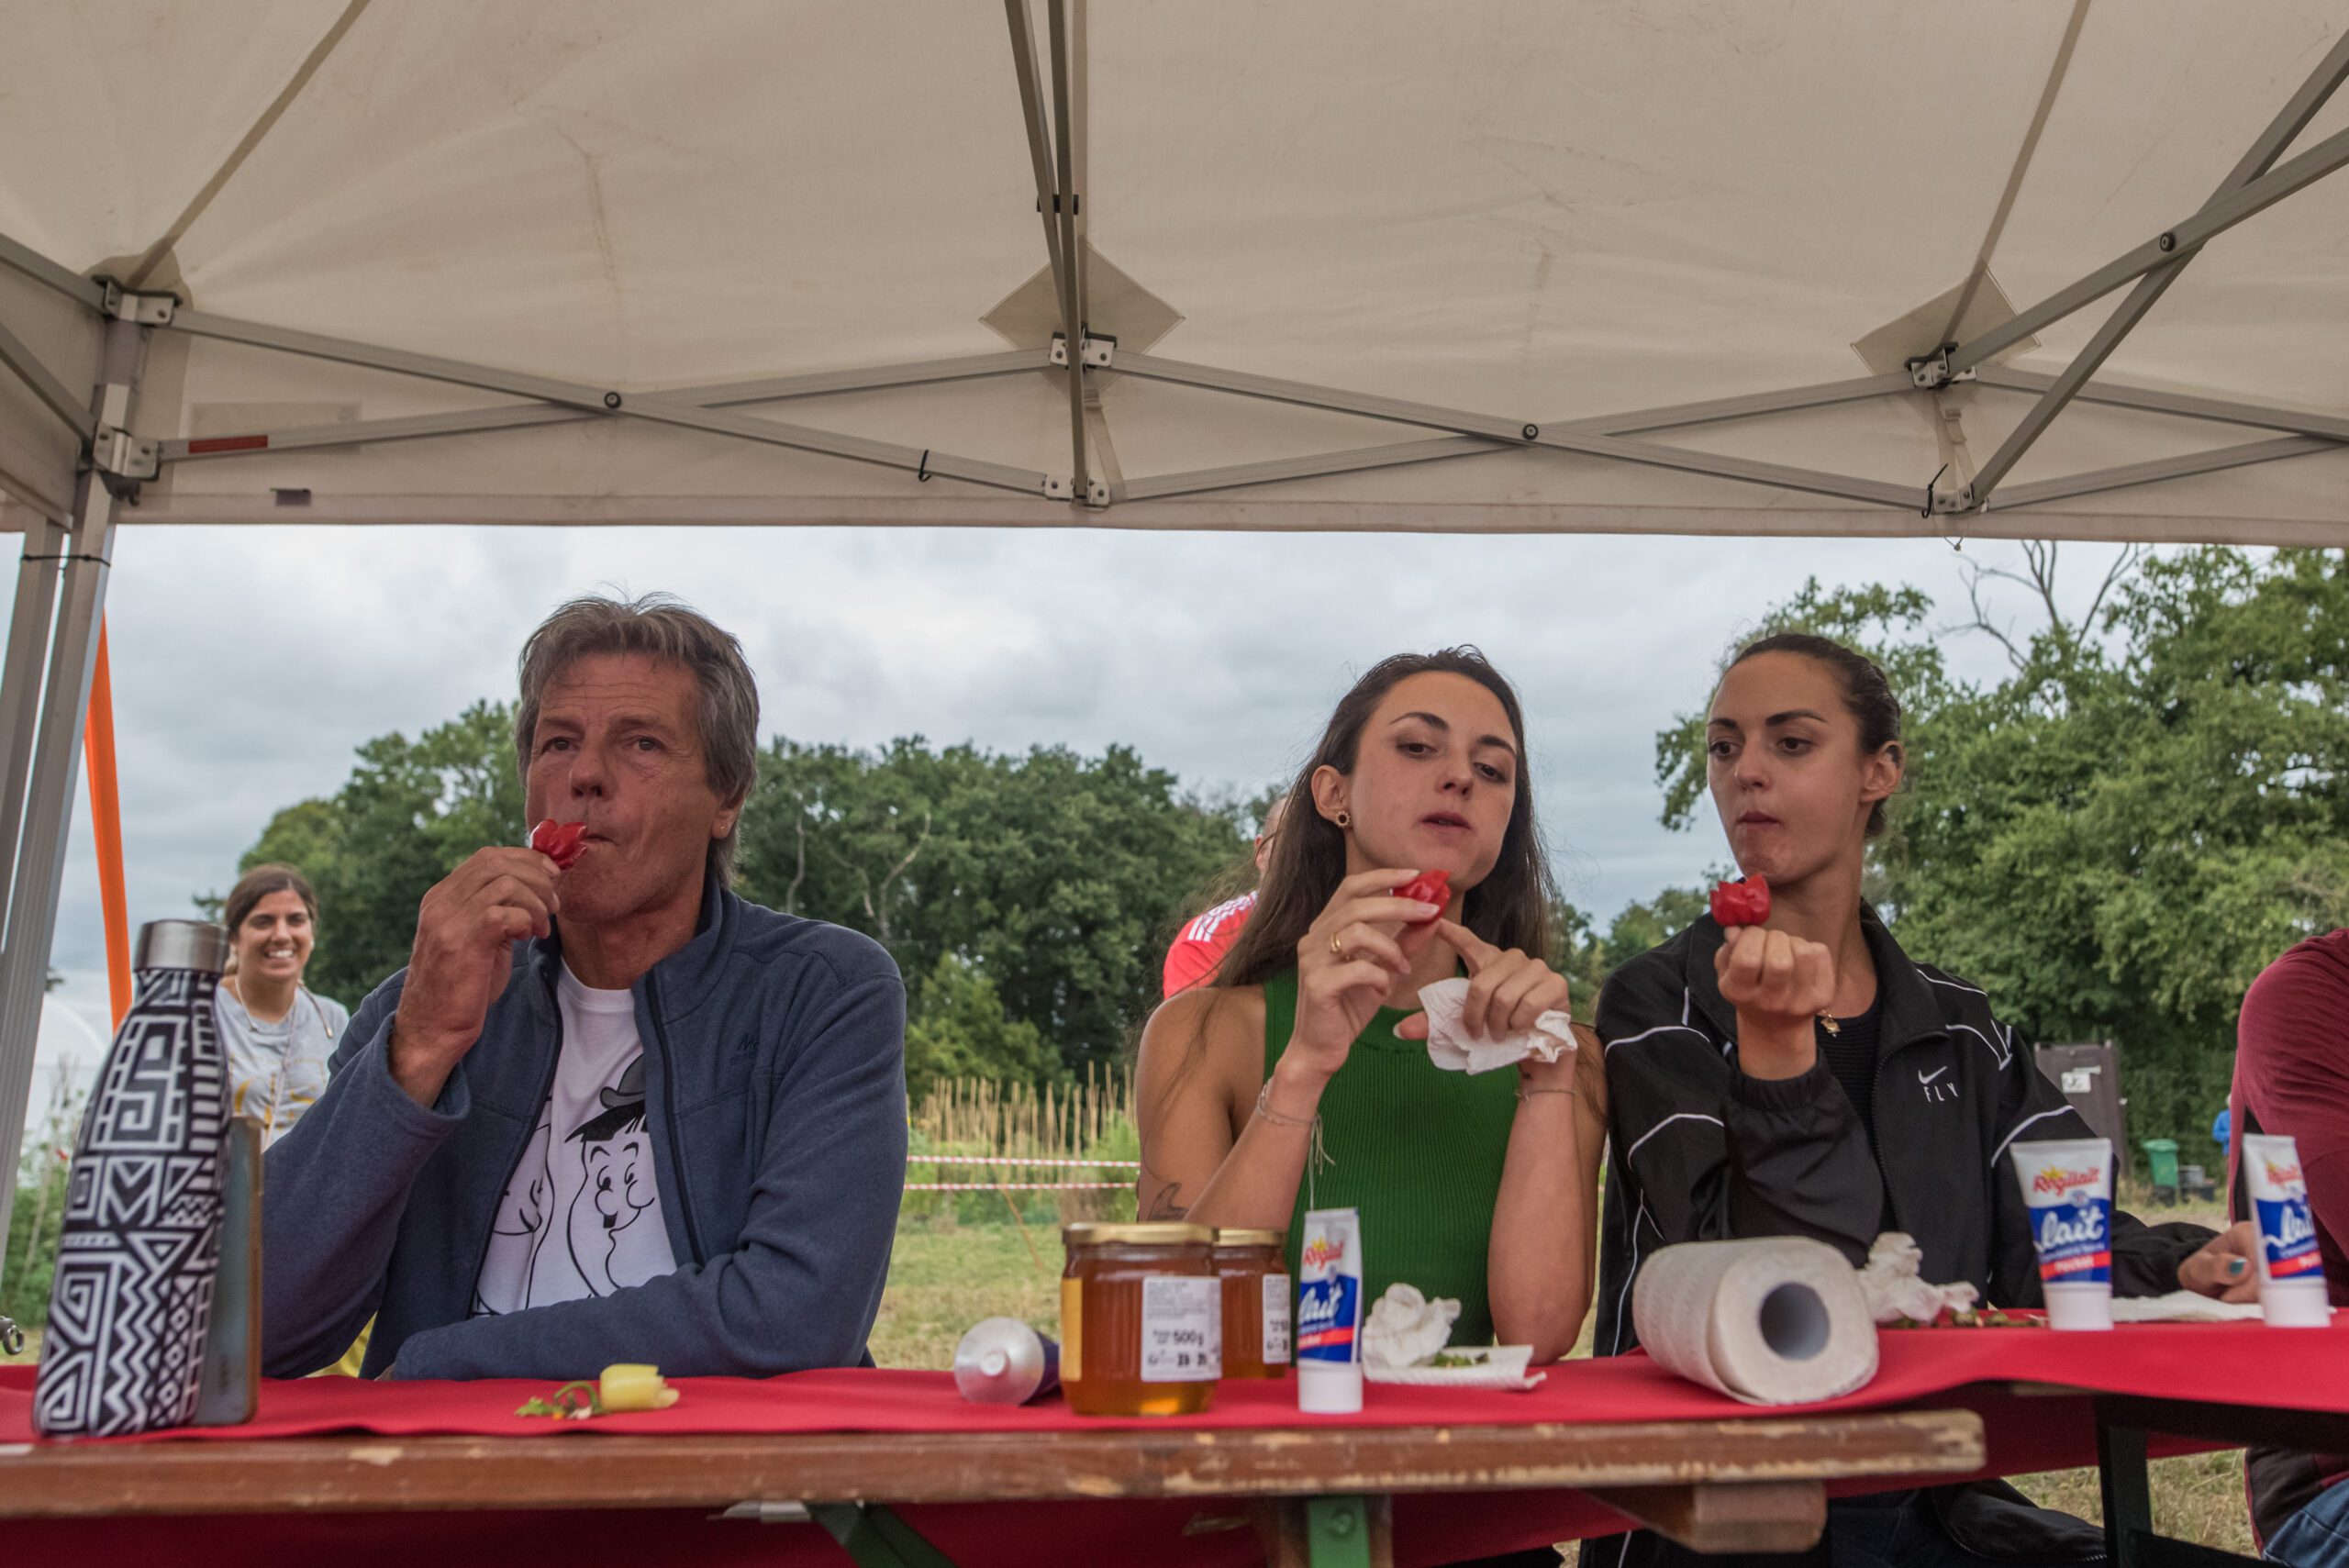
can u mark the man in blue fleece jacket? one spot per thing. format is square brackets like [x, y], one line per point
[610, 1112]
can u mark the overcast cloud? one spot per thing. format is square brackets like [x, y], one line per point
[248, 662]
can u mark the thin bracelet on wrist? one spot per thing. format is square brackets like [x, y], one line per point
[1278, 1119]
[1523, 1095]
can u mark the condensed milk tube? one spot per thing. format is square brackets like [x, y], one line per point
[2068, 1187]
[1328, 1313]
[2291, 1272]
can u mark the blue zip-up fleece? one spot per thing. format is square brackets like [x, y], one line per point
[775, 1084]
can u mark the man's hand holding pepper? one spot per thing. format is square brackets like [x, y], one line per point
[462, 958]
[1779, 983]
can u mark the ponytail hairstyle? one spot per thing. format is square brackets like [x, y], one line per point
[1867, 695]
[1511, 908]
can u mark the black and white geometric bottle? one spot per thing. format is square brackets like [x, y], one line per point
[136, 1263]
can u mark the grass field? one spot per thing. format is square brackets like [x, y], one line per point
[947, 1275]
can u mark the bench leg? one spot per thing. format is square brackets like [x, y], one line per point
[1328, 1532]
[875, 1537]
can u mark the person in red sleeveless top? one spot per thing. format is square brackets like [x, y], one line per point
[2292, 1078]
[1200, 948]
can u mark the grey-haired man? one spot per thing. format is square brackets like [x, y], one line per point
[611, 1112]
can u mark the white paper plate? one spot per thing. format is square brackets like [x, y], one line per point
[1501, 1366]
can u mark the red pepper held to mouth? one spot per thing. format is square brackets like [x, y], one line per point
[1429, 887]
[1744, 903]
[559, 842]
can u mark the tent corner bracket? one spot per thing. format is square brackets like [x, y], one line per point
[1060, 487]
[1933, 372]
[122, 459]
[1100, 351]
[144, 309]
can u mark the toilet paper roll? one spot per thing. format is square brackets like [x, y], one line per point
[1773, 1321]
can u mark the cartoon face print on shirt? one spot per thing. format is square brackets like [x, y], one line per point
[615, 1240]
[520, 1227]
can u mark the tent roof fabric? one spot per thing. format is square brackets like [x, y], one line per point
[1531, 214]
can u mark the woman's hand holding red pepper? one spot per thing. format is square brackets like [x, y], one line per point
[1367, 937]
[1779, 984]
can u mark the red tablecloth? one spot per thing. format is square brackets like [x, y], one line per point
[2217, 1364]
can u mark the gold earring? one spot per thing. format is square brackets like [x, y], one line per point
[1342, 819]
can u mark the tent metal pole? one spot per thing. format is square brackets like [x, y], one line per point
[1067, 204]
[374, 356]
[1648, 453]
[2189, 405]
[654, 406]
[2288, 123]
[2098, 481]
[28, 623]
[18, 357]
[86, 292]
[1193, 482]
[1031, 112]
[2215, 218]
[722, 394]
[56, 756]
[1245, 384]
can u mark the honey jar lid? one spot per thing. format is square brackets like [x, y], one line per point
[1228, 1236]
[1158, 1234]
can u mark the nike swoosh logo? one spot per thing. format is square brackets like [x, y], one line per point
[1929, 1077]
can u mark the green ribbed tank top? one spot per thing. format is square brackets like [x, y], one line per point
[1418, 1149]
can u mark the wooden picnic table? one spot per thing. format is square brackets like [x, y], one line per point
[1317, 1496]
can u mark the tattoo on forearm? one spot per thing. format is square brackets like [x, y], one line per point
[1162, 1204]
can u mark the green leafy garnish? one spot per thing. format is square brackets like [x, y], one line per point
[572, 1402]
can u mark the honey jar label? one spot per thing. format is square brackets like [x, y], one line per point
[1181, 1328]
[1275, 1340]
[1072, 1330]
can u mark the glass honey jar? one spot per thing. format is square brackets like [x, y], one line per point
[1256, 1302]
[1141, 1320]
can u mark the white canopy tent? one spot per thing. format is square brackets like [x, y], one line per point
[1628, 265]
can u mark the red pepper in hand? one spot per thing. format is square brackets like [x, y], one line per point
[559, 842]
[1744, 903]
[1429, 887]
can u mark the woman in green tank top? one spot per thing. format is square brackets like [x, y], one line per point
[1480, 1188]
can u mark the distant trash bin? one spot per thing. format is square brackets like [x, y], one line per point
[2161, 1158]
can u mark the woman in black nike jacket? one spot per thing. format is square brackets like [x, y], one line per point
[1806, 1077]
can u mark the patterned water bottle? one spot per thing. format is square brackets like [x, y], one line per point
[132, 1297]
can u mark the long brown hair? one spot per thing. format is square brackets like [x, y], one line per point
[1511, 908]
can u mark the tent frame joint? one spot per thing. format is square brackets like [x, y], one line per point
[1100, 350]
[121, 304]
[122, 459]
[1933, 372]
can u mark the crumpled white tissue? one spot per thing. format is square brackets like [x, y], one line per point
[1406, 1328]
[1454, 1049]
[1893, 1285]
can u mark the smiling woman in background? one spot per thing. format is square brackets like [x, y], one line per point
[276, 1033]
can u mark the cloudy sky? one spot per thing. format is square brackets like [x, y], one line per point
[248, 663]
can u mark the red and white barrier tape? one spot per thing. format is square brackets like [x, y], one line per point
[1020, 1187]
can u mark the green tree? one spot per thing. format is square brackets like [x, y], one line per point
[2116, 838]
[1057, 876]
[409, 812]
[958, 1029]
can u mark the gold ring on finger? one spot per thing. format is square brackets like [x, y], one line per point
[1337, 947]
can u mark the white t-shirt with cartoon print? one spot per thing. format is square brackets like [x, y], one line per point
[581, 1215]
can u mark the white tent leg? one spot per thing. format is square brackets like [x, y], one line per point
[56, 756]
[29, 621]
